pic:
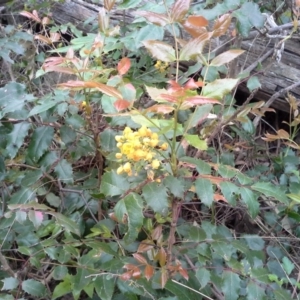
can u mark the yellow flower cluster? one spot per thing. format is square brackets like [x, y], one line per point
[161, 66]
[138, 146]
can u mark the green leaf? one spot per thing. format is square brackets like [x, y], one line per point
[62, 288]
[40, 142]
[15, 139]
[203, 275]
[107, 140]
[250, 199]
[22, 196]
[148, 32]
[281, 294]
[80, 280]
[229, 190]
[31, 177]
[64, 171]
[230, 285]
[9, 283]
[105, 287]
[253, 83]
[44, 106]
[60, 272]
[131, 207]
[196, 234]
[195, 141]
[254, 242]
[21, 216]
[126, 4]
[180, 291]
[67, 134]
[198, 116]
[104, 247]
[53, 200]
[66, 222]
[33, 287]
[113, 184]
[256, 18]
[156, 196]
[160, 50]
[271, 190]
[255, 291]
[287, 265]
[36, 217]
[219, 88]
[201, 166]
[204, 190]
[175, 186]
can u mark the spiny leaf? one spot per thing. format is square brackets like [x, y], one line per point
[64, 171]
[219, 88]
[204, 190]
[33, 287]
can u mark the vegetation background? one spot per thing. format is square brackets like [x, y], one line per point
[127, 169]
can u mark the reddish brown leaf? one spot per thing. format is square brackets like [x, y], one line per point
[161, 256]
[140, 258]
[218, 197]
[145, 245]
[55, 37]
[33, 16]
[155, 18]
[192, 84]
[195, 25]
[184, 273]
[43, 39]
[221, 25]
[179, 10]
[123, 65]
[213, 179]
[198, 100]
[126, 276]
[149, 272]
[169, 98]
[59, 69]
[136, 274]
[160, 109]
[121, 104]
[156, 233]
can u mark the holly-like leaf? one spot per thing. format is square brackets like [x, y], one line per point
[105, 287]
[154, 191]
[231, 285]
[40, 142]
[123, 66]
[221, 25]
[33, 287]
[130, 210]
[203, 275]
[253, 83]
[113, 184]
[64, 171]
[194, 47]
[195, 141]
[160, 50]
[9, 283]
[255, 291]
[226, 57]
[179, 10]
[44, 106]
[198, 116]
[219, 88]
[250, 199]
[271, 190]
[175, 186]
[121, 104]
[62, 288]
[16, 137]
[204, 190]
[155, 18]
[36, 217]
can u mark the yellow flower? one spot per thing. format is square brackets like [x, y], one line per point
[120, 170]
[119, 145]
[118, 138]
[149, 156]
[127, 168]
[153, 143]
[154, 136]
[127, 130]
[155, 164]
[164, 146]
[142, 131]
[119, 155]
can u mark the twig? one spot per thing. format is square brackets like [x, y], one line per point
[274, 97]
[6, 267]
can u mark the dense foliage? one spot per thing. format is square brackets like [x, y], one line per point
[121, 178]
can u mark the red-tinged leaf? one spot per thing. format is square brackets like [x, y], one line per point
[199, 100]
[36, 217]
[126, 276]
[221, 25]
[59, 69]
[174, 86]
[113, 217]
[154, 18]
[149, 272]
[192, 84]
[136, 273]
[194, 31]
[169, 98]
[197, 21]
[55, 36]
[179, 10]
[31, 16]
[157, 232]
[226, 57]
[213, 179]
[123, 66]
[161, 256]
[160, 50]
[105, 89]
[184, 273]
[121, 104]
[129, 267]
[140, 258]
[218, 197]
[160, 109]
[163, 277]
[43, 39]
[195, 46]
[283, 134]
[145, 245]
